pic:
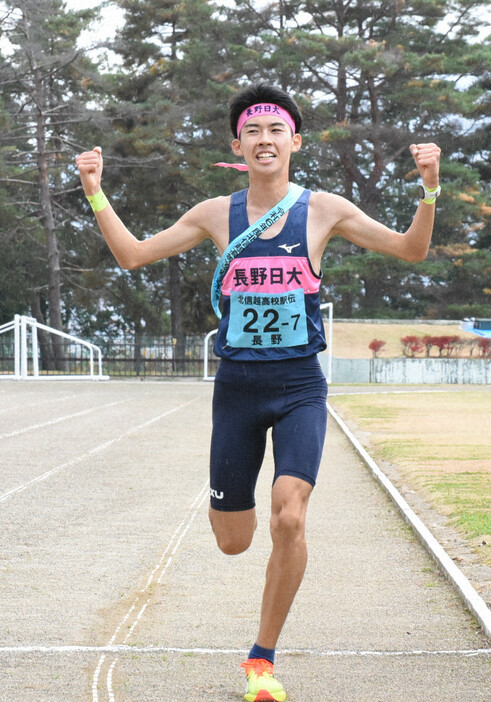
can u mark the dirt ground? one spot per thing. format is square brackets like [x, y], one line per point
[434, 446]
[113, 589]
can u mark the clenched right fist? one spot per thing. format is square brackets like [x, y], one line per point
[90, 164]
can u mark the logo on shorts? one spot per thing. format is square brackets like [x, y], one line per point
[217, 495]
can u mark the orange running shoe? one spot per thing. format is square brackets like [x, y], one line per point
[262, 686]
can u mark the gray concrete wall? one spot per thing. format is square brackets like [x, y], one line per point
[430, 370]
[412, 370]
[350, 370]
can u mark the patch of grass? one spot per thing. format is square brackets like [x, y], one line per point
[377, 413]
[398, 449]
[440, 442]
[415, 449]
[467, 499]
[476, 525]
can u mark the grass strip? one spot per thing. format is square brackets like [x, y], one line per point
[439, 443]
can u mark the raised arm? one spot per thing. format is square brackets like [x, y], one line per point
[190, 230]
[359, 228]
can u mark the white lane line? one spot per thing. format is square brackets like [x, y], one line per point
[64, 418]
[87, 454]
[122, 649]
[472, 599]
[392, 392]
[49, 473]
[29, 406]
[95, 681]
[162, 566]
[110, 681]
[109, 678]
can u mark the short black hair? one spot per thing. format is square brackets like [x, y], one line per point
[263, 93]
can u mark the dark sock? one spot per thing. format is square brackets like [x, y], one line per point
[260, 652]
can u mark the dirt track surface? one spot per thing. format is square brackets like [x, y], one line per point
[105, 542]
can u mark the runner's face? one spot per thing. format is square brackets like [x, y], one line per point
[266, 143]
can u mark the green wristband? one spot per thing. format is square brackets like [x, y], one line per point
[430, 200]
[98, 201]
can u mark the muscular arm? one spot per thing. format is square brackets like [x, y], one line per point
[191, 229]
[131, 252]
[357, 227]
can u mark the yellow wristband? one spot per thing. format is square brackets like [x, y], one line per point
[98, 201]
[430, 200]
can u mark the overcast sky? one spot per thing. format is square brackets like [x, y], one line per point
[112, 17]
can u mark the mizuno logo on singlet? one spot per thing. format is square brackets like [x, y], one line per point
[287, 248]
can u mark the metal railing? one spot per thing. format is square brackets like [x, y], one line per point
[26, 353]
[206, 355]
[164, 357]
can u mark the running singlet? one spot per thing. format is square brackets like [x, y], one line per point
[270, 292]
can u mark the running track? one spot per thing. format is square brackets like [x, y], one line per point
[112, 587]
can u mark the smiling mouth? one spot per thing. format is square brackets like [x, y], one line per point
[266, 156]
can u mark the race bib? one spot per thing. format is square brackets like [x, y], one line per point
[263, 320]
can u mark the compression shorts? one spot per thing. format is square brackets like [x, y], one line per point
[250, 397]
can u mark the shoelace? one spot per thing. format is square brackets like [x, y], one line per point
[259, 666]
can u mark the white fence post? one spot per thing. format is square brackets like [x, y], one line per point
[205, 355]
[35, 351]
[21, 358]
[330, 307]
[23, 347]
[17, 346]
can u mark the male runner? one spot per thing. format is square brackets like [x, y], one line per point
[269, 336]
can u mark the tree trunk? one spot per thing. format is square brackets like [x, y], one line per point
[176, 313]
[45, 347]
[138, 349]
[54, 282]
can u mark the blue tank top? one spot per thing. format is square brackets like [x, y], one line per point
[270, 293]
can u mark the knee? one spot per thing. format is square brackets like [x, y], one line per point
[233, 532]
[289, 511]
[230, 545]
[287, 525]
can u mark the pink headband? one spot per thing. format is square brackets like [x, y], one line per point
[265, 109]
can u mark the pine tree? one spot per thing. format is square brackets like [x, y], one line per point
[373, 77]
[44, 91]
[170, 112]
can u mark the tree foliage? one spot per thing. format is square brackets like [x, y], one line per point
[43, 114]
[371, 78]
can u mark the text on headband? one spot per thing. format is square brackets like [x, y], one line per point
[264, 109]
